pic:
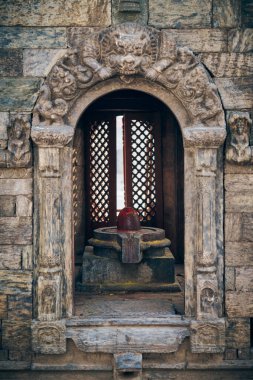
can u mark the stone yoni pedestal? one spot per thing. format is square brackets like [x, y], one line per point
[128, 258]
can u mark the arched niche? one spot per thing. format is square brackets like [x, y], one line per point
[130, 56]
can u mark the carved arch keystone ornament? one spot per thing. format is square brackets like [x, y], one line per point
[129, 56]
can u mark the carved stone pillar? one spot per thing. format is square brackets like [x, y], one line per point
[53, 236]
[208, 328]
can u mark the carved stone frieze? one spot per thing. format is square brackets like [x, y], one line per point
[128, 50]
[49, 337]
[208, 336]
[18, 153]
[238, 149]
[56, 136]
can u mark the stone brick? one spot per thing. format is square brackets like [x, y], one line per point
[236, 93]
[239, 304]
[238, 253]
[226, 13]
[247, 227]
[244, 279]
[238, 169]
[38, 62]
[3, 306]
[3, 355]
[21, 38]
[16, 335]
[11, 62]
[15, 282]
[244, 353]
[18, 93]
[228, 64]
[24, 205]
[16, 230]
[201, 40]
[240, 40]
[19, 356]
[19, 307]
[11, 256]
[238, 182]
[229, 278]
[7, 205]
[16, 186]
[180, 14]
[233, 226]
[231, 354]
[78, 35]
[238, 333]
[239, 202]
[57, 12]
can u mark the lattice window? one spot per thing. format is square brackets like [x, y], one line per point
[143, 169]
[99, 172]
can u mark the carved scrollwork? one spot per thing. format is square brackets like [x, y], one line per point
[239, 150]
[128, 50]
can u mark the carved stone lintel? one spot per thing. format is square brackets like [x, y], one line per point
[49, 337]
[129, 50]
[208, 336]
[239, 150]
[57, 136]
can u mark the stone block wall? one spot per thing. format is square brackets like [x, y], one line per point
[33, 35]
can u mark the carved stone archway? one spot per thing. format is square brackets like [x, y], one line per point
[129, 56]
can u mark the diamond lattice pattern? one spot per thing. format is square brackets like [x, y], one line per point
[143, 169]
[99, 171]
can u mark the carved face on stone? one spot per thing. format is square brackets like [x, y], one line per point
[130, 53]
[240, 126]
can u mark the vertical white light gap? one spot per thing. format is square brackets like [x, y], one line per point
[120, 164]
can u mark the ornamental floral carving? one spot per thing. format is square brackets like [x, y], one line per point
[239, 150]
[128, 51]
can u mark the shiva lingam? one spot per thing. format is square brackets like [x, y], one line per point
[128, 257]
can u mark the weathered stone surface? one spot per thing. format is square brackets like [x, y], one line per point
[7, 205]
[228, 64]
[239, 253]
[24, 205]
[83, 12]
[173, 14]
[16, 335]
[18, 93]
[19, 307]
[233, 224]
[10, 256]
[77, 36]
[247, 227]
[244, 279]
[230, 168]
[49, 337]
[238, 182]
[226, 13]
[238, 333]
[229, 278]
[18, 173]
[202, 40]
[214, 329]
[240, 40]
[3, 306]
[38, 62]
[4, 122]
[21, 38]
[236, 93]
[19, 356]
[242, 202]
[11, 62]
[239, 304]
[3, 355]
[16, 230]
[126, 14]
[15, 282]
[16, 186]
